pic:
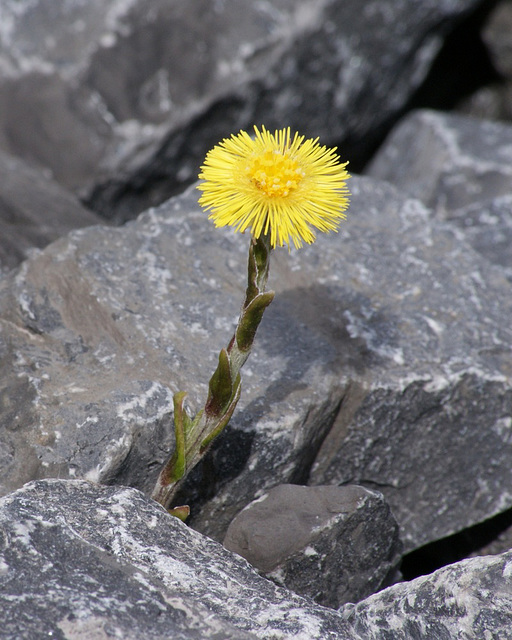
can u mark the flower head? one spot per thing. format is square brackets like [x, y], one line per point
[274, 184]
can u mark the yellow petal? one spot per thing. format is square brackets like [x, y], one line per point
[275, 183]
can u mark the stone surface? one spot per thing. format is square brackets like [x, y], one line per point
[462, 168]
[34, 210]
[496, 35]
[332, 544]
[469, 600]
[99, 330]
[446, 160]
[122, 102]
[390, 332]
[78, 560]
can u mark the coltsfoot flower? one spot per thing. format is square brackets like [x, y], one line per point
[276, 185]
[281, 188]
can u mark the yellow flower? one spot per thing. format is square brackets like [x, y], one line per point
[274, 184]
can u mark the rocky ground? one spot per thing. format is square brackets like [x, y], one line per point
[365, 478]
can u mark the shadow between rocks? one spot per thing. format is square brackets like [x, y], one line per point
[486, 538]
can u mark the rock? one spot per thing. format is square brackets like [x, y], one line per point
[488, 229]
[462, 168]
[106, 324]
[388, 336]
[78, 560]
[490, 102]
[496, 35]
[448, 154]
[121, 103]
[468, 601]
[332, 544]
[413, 402]
[34, 211]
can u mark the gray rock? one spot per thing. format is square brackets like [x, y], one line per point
[389, 336]
[446, 160]
[462, 168]
[415, 419]
[496, 35]
[490, 102]
[78, 560]
[470, 600]
[106, 324]
[122, 102]
[34, 211]
[487, 227]
[332, 544]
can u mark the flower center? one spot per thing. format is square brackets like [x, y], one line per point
[275, 174]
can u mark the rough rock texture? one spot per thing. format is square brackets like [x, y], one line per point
[82, 561]
[34, 210]
[470, 600]
[121, 101]
[392, 330]
[332, 544]
[462, 168]
[99, 329]
[78, 560]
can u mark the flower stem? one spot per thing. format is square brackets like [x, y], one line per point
[194, 436]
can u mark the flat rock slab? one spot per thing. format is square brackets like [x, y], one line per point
[122, 102]
[389, 336]
[448, 161]
[82, 561]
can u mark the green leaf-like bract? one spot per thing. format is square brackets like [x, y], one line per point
[250, 319]
[194, 436]
[220, 389]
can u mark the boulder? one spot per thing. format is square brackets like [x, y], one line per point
[332, 544]
[461, 167]
[78, 560]
[389, 337]
[468, 600]
[122, 102]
